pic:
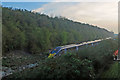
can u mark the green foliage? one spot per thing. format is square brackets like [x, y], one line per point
[100, 54]
[35, 33]
[68, 66]
[112, 72]
[85, 64]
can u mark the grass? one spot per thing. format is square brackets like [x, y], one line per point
[112, 72]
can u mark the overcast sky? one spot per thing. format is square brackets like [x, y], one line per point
[101, 14]
[59, 0]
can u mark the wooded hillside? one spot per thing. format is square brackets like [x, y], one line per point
[35, 33]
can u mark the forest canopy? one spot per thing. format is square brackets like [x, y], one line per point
[35, 33]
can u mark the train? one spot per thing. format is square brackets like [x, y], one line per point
[58, 50]
[54, 52]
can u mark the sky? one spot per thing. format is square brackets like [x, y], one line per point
[24, 5]
[59, 0]
[101, 14]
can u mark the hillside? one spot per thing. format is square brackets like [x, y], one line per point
[112, 72]
[35, 33]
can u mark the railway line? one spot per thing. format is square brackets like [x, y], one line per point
[58, 49]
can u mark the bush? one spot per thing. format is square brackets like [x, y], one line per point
[68, 66]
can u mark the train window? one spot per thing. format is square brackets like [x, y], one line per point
[55, 50]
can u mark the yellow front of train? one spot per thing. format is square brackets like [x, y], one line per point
[51, 55]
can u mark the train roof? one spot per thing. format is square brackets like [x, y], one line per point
[75, 45]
